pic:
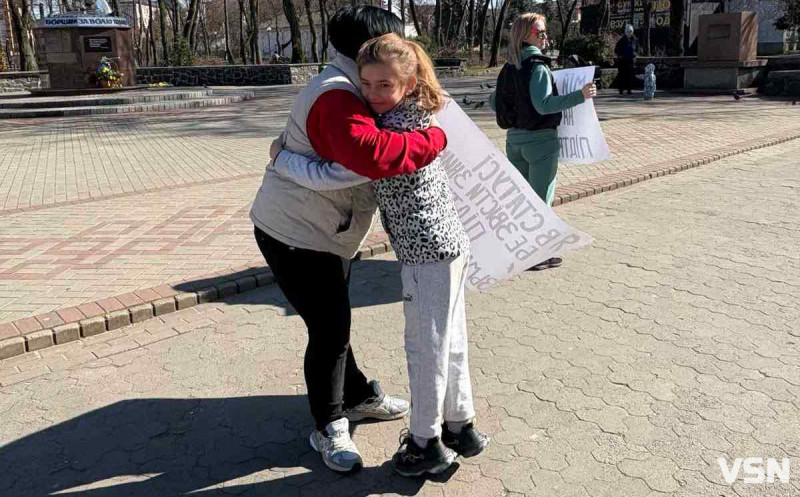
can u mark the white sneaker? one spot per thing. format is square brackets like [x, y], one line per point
[337, 448]
[381, 406]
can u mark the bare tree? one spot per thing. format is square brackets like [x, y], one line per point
[162, 18]
[566, 11]
[176, 20]
[228, 54]
[204, 25]
[498, 32]
[294, 30]
[323, 15]
[313, 31]
[252, 33]
[188, 26]
[482, 26]
[437, 26]
[151, 29]
[242, 50]
[470, 25]
[22, 21]
[414, 17]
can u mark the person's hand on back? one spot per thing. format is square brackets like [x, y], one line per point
[275, 148]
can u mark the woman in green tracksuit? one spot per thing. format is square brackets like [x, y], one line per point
[527, 103]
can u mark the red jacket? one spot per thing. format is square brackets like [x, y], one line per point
[341, 128]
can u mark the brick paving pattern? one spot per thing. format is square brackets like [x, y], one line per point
[670, 342]
[99, 207]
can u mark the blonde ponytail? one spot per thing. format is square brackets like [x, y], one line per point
[428, 88]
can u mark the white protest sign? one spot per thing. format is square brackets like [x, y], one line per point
[582, 140]
[510, 228]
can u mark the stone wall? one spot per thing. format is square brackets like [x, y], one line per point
[263, 75]
[23, 81]
[783, 84]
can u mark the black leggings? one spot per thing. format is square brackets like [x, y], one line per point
[317, 286]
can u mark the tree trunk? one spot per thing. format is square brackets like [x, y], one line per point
[482, 27]
[137, 36]
[152, 33]
[242, 50]
[203, 23]
[228, 54]
[677, 18]
[414, 16]
[470, 25]
[188, 26]
[403, 13]
[162, 20]
[648, 11]
[195, 23]
[437, 20]
[294, 30]
[323, 15]
[23, 21]
[389, 5]
[498, 31]
[255, 50]
[313, 31]
[176, 21]
[566, 22]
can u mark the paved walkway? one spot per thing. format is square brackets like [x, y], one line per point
[671, 342]
[97, 208]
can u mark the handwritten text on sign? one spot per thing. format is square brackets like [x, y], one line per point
[580, 135]
[509, 226]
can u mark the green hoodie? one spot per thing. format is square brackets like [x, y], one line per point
[541, 91]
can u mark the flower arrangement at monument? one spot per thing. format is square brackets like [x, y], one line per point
[107, 76]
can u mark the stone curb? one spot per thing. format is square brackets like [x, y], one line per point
[93, 318]
[66, 325]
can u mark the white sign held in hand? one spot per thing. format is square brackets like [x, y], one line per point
[509, 226]
[580, 135]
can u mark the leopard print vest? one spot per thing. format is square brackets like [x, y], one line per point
[417, 209]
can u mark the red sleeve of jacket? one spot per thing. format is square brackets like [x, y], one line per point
[341, 128]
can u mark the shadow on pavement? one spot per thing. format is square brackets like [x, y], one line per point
[163, 447]
[368, 286]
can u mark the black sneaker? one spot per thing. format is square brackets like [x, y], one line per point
[413, 460]
[547, 264]
[469, 443]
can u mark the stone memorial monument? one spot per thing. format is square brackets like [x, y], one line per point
[76, 46]
[726, 53]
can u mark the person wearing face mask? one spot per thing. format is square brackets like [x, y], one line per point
[626, 51]
[528, 105]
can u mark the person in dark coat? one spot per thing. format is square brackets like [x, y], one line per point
[626, 51]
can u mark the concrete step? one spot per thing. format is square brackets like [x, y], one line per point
[227, 98]
[126, 98]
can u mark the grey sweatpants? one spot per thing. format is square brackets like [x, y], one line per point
[436, 344]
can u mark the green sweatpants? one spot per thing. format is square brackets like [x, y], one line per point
[535, 155]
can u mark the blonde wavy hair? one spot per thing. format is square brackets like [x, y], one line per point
[520, 30]
[408, 59]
